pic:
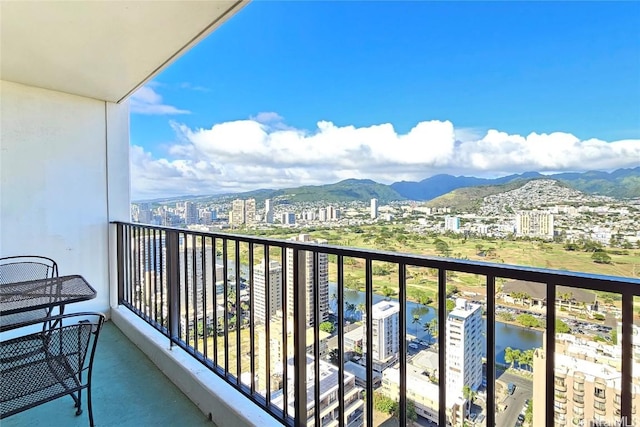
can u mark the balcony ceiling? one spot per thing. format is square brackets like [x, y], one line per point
[101, 49]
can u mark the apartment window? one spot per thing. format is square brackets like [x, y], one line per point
[578, 386]
[578, 399]
[559, 381]
[578, 411]
[599, 392]
[600, 406]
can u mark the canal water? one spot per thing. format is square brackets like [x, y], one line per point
[507, 335]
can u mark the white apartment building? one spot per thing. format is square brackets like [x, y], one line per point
[424, 395]
[374, 208]
[322, 215]
[328, 404]
[307, 275]
[464, 347]
[250, 211]
[333, 214]
[263, 312]
[236, 216]
[451, 223]
[534, 224]
[242, 212]
[385, 321]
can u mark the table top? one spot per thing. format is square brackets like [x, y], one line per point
[21, 297]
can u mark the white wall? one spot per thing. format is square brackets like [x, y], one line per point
[64, 173]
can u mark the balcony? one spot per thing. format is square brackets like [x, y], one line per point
[128, 391]
[166, 277]
[66, 177]
[560, 388]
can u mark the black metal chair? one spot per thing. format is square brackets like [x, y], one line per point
[46, 365]
[26, 267]
[23, 268]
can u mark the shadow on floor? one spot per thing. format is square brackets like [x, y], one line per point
[128, 390]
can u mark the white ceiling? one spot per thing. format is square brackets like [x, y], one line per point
[100, 49]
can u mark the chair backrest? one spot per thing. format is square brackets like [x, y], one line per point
[26, 267]
[45, 365]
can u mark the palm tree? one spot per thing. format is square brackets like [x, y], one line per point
[350, 308]
[334, 300]
[416, 321]
[433, 327]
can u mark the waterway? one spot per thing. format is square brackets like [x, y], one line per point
[507, 335]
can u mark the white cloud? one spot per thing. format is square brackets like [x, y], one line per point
[147, 101]
[250, 154]
[267, 117]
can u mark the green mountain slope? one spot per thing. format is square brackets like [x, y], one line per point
[343, 191]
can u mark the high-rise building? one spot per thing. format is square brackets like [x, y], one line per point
[268, 212]
[262, 288]
[385, 319]
[464, 347]
[190, 213]
[451, 223]
[250, 211]
[306, 273]
[142, 213]
[288, 218]
[534, 224]
[374, 208]
[333, 214]
[587, 383]
[237, 212]
[322, 214]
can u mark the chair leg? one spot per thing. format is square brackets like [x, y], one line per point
[79, 403]
[90, 406]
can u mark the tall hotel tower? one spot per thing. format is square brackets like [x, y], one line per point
[385, 320]
[464, 347]
[272, 287]
[268, 212]
[306, 274]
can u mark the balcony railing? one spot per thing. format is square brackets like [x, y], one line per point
[201, 291]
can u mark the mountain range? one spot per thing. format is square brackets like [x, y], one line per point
[620, 184]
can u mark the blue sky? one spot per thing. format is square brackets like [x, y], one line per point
[286, 93]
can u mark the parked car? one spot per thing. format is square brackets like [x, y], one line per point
[511, 388]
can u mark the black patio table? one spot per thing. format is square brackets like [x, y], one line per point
[22, 302]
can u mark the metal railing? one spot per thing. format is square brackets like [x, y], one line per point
[200, 289]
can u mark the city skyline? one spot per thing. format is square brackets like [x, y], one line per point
[305, 102]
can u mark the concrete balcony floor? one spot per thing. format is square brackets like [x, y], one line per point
[128, 390]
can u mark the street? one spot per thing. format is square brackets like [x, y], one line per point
[515, 402]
